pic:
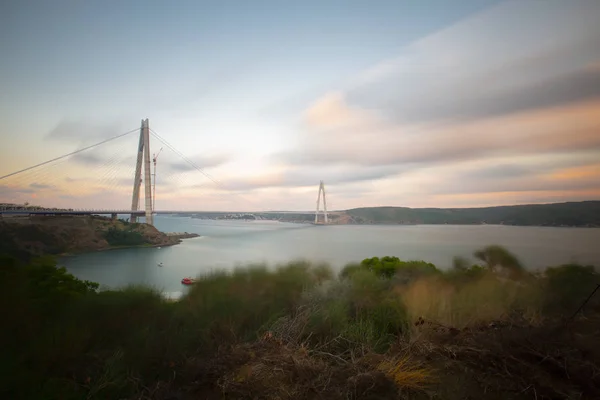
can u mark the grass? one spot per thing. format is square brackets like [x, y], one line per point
[486, 299]
[406, 373]
[383, 328]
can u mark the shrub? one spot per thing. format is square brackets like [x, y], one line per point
[234, 306]
[119, 237]
[497, 257]
[391, 267]
[349, 269]
[569, 285]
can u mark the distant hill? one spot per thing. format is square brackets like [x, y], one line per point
[585, 213]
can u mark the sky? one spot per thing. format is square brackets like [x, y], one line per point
[410, 103]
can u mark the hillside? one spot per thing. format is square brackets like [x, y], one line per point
[32, 236]
[586, 213]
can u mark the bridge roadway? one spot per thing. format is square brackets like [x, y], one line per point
[14, 211]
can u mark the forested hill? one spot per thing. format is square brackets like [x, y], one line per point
[585, 213]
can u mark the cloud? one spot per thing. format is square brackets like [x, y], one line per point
[574, 86]
[85, 131]
[530, 167]
[480, 66]
[41, 186]
[89, 158]
[7, 191]
[554, 130]
[309, 176]
[178, 165]
[517, 185]
[481, 88]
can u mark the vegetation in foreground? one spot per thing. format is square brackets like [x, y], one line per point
[383, 328]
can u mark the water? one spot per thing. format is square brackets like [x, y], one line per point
[226, 244]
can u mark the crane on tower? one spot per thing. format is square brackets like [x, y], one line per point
[154, 158]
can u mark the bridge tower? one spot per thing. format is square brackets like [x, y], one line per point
[321, 190]
[143, 156]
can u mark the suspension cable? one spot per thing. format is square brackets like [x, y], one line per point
[70, 154]
[195, 166]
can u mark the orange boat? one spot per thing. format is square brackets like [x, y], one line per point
[188, 281]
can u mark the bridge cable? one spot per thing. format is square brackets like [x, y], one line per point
[194, 165]
[71, 153]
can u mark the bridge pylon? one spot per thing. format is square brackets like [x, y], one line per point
[143, 156]
[321, 190]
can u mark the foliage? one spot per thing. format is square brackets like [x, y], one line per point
[499, 257]
[360, 308]
[569, 285]
[127, 237]
[461, 271]
[68, 340]
[42, 281]
[388, 267]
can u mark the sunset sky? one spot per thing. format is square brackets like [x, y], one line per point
[430, 103]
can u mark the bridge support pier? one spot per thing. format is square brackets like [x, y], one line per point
[143, 156]
[113, 216]
[321, 190]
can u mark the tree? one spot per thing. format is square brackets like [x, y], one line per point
[497, 258]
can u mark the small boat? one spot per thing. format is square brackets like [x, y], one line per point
[160, 264]
[158, 247]
[188, 281]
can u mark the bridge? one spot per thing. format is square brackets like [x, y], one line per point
[142, 174]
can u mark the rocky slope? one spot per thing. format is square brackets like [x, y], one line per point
[24, 237]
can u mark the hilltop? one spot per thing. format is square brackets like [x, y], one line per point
[585, 213]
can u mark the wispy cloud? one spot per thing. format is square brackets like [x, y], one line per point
[177, 165]
[41, 186]
[78, 131]
[566, 129]
[484, 90]
[294, 176]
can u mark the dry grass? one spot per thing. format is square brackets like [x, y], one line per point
[460, 305]
[407, 373]
[511, 361]
[269, 369]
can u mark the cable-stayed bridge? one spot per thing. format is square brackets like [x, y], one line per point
[56, 182]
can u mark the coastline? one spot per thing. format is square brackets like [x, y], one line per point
[178, 239]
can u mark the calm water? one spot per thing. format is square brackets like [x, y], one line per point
[226, 244]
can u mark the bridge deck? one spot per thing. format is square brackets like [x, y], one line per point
[142, 213]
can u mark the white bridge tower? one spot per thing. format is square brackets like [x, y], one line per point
[143, 154]
[321, 190]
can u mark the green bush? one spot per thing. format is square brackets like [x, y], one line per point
[235, 306]
[360, 308]
[497, 257]
[129, 237]
[462, 272]
[388, 267]
[567, 287]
